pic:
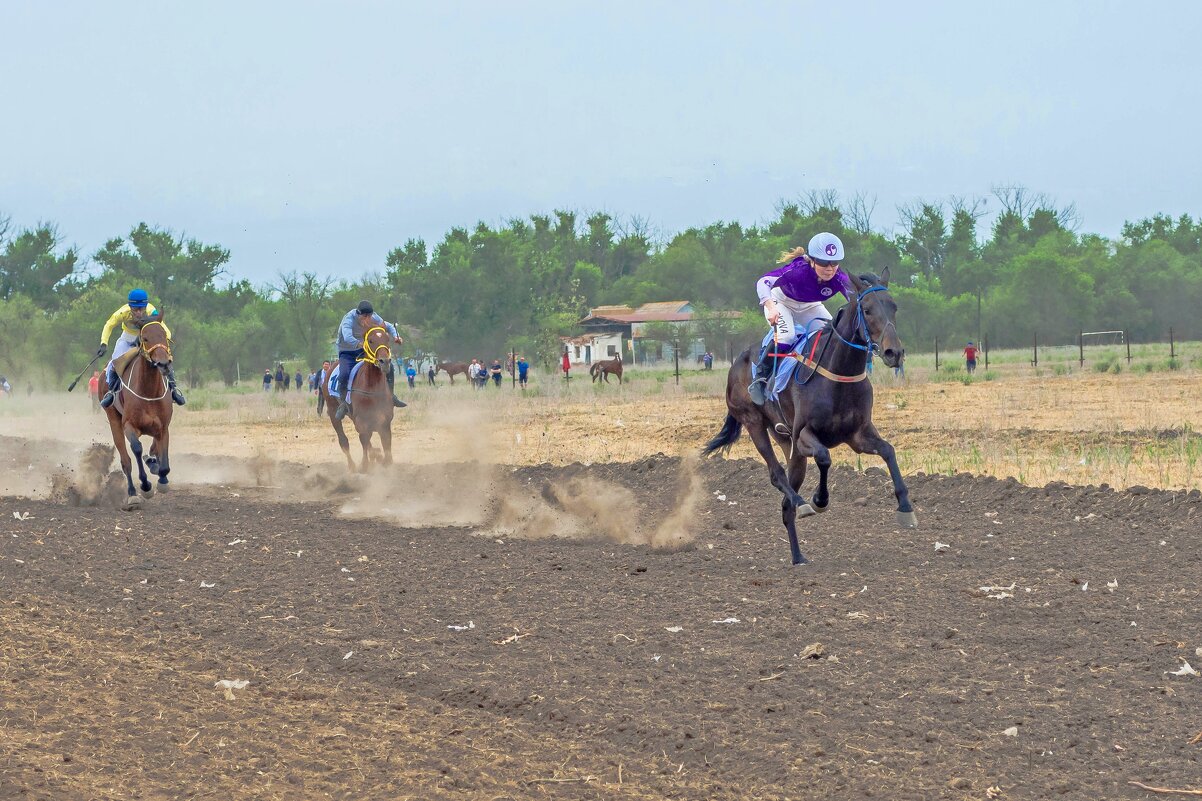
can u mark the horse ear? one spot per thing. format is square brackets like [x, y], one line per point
[856, 283]
[885, 277]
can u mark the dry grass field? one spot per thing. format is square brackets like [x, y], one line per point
[1135, 427]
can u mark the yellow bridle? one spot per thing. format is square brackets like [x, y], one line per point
[373, 356]
[164, 345]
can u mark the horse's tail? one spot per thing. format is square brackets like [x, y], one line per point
[593, 368]
[730, 432]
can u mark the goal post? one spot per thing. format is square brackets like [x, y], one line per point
[1099, 338]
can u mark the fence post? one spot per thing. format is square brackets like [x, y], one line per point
[1081, 346]
[1172, 346]
[1035, 349]
[936, 354]
[1127, 339]
[513, 366]
[676, 356]
[985, 346]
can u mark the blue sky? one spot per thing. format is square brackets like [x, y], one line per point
[317, 136]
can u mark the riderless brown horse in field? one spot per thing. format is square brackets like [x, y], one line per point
[827, 403]
[452, 368]
[606, 368]
[143, 408]
[370, 398]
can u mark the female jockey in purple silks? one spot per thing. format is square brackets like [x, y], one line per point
[792, 296]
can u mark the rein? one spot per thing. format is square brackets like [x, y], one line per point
[146, 352]
[861, 331]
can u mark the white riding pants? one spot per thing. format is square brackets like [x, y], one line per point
[125, 343]
[795, 317]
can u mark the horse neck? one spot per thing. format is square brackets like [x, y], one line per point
[841, 357]
[144, 378]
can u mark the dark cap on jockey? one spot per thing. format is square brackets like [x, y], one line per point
[365, 307]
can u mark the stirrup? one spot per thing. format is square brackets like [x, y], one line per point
[177, 396]
[758, 390]
[342, 411]
[108, 399]
[398, 403]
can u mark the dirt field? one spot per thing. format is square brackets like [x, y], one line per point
[624, 630]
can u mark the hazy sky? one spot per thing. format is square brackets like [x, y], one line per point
[317, 136]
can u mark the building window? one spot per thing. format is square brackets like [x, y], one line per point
[611, 351]
[577, 351]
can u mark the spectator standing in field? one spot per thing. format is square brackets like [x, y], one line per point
[566, 364]
[411, 376]
[970, 358]
[495, 372]
[267, 381]
[279, 378]
[523, 369]
[94, 390]
[299, 381]
[430, 374]
[708, 360]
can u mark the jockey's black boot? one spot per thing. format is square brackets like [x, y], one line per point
[759, 375]
[176, 395]
[344, 408]
[397, 402]
[114, 384]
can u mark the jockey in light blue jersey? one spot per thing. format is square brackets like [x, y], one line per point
[351, 330]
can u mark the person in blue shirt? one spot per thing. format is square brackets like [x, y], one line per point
[351, 331]
[411, 375]
[523, 369]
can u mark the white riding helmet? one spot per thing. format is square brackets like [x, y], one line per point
[826, 246]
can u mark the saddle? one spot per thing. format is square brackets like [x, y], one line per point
[122, 362]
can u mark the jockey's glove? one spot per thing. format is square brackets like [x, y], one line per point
[103, 347]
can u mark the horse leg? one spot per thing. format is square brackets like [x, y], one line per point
[867, 440]
[132, 500]
[386, 443]
[789, 511]
[343, 441]
[792, 502]
[808, 445]
[365, 441]
[160, 446]
[135, 445]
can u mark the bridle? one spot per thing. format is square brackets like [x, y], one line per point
[861, 329]
[370, 355]
[147, 352]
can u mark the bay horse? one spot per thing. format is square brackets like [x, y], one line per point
[452, 369]
[831, 406]
[606, 368]
[370, 397]
[143, 408]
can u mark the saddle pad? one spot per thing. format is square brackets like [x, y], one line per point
[334, 388]
[785, 366]
[123, 361]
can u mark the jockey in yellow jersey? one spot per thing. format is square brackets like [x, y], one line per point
[130, 317]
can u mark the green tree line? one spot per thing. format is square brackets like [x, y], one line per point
[524, 283]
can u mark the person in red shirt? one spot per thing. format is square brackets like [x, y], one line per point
[567, 364]
[94, 389]
[970, 358]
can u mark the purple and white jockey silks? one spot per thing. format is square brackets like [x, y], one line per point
[798, 281]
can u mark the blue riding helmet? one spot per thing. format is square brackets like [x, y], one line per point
[138, 299]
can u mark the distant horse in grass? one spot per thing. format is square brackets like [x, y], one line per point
[452, 369]
[370, 398]
[833, 405]
[607, 368]
[143, 408]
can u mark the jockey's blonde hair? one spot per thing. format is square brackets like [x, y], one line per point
[787, 256]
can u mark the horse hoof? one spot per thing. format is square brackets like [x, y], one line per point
[907, 520]
[805, 510]
[801, 560]
[132, 503]
[163, 485]
[148, 492]
[820, 508]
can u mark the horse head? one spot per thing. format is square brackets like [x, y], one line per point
[376, 348]
[877, 310]
[155, 346]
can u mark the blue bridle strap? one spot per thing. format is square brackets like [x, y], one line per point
[869, 347]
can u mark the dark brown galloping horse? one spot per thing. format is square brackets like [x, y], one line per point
[833, 405]
[606, 368]
[143, 408]
[452, 369]
[370, 398]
